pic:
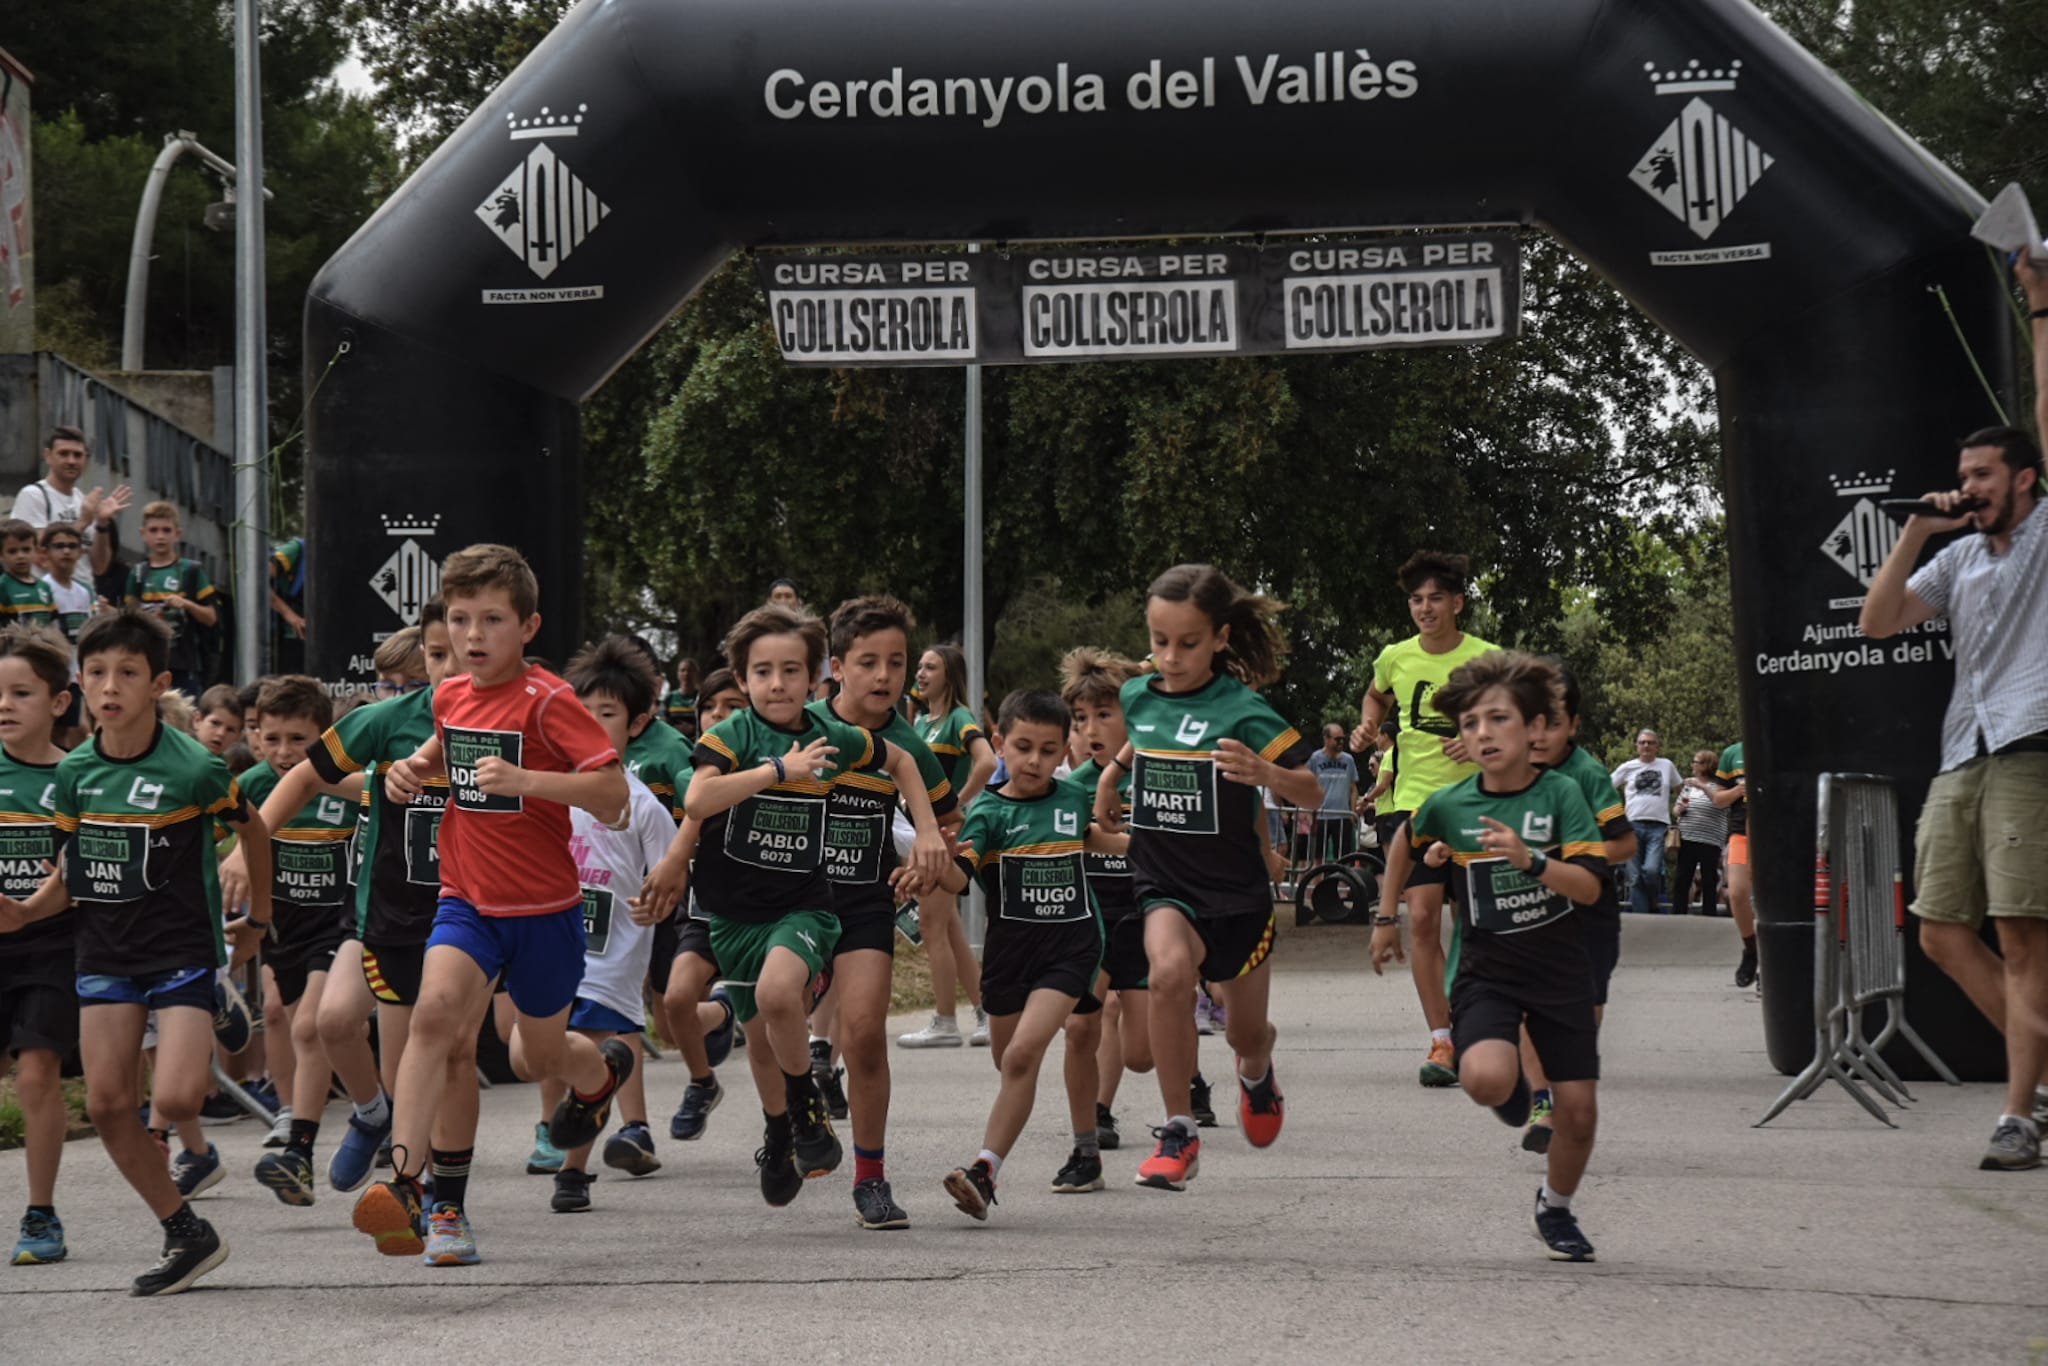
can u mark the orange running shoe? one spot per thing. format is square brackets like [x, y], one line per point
[389, 1211]
[1260, 1109]
[1174, 1161]
[1441, 1069]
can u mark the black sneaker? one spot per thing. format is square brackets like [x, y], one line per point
[817, 1148]
[875, 1207]
[572, 1191]
[1745, 971]
[694, 1113]
[288, 1174]
[221, 1108]
[1081, 1175]
[1560, 1233]
[973, 1189]
[780, 1180]
[1514, 1111]
[184, 1261]
[1106, 1137]
[831, 1088]
[1199, 1104]
[577, 1122]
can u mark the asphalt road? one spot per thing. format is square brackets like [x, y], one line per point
[1389, 1223]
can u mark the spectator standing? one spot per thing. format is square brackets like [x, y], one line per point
[288, 603]
[1702, 834]
[55, 499]
[1336, 824]
[1649, 782]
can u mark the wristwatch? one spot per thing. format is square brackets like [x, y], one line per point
[1381, 920]
[1538, 861]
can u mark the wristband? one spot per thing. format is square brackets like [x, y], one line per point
[1118, 760]
[1538, 861]
[2039, 313]
[780, 772]
[1380, 920]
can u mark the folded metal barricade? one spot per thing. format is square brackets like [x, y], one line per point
[1859, 956]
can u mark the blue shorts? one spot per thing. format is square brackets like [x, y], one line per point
[158, 991]
[590, 1014]
[540, 957]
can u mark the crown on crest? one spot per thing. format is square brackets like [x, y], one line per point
[1694, 78]
[546, 124]
[410, 526]
[1860, 484]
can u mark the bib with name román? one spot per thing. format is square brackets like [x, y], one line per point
[463, 750]
[1028, 854]
[860, 849]
[1550, 815]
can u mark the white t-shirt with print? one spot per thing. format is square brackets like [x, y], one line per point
[1649, 787]
[611, 865]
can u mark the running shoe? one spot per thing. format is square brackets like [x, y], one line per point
[264, 1092]
[449, 1240]
[1536, 1138]
[2040, 1108]
[41, 1241]
[833, 1090]
[232, 1023]
[577, 1121]
[1106, 1136]
[1261, 1109]
[780, 1180]
[699, 1100]
[631, 1150]
[718, 1043]
[1514, 1111]
[222, 1108]
[875, 1207]
[1209, 1015]
[546, 1158]
[572, 1191]
[973, 1189]
[1745, 971]
[979, 1038]
[1560, 1233]
[1201, 1103]
[2012, 1149]
[1174, 1161]
[817, 1147]
[1083, 1173]
[1441, 1068]
[289, 1175]
[184, 1261]
[280, 1135]
[195, 1172]
[384, 1156]
[389, 1211]
[351, 1164]
[942, 1032]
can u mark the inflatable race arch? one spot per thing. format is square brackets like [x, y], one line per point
[1816, 259]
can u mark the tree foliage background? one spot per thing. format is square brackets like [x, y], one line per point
[1577, 465]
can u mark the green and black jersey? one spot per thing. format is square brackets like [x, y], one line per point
[765, 857]
[1109, 875]
[660, 758]
[28, 841]
[309, 859]
[151, 585]
[1027, 852]
[26, 604]
[400, 844]
[1610, 813]
[1516, 929]
[138, 853]
[1728, 773]
[680, 709]
[951, 737]
[860, 847]
[1197, 839]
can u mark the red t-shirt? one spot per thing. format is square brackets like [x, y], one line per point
[510, 855]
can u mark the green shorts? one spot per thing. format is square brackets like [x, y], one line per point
[1982, 846]
[742, 947]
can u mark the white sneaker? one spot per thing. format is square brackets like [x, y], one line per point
[280, 1132]
[942, 1032]
[979, 1038]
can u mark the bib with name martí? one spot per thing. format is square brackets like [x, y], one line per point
[1196, 837]
[763, 858]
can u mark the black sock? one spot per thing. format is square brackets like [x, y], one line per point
[708, 1079]
[47, 1211]
[797, 1091]
[451, 1175]
[304, 1131]
[778, 1129]
[1749, 946]
[162, 1136]
[183, 1224]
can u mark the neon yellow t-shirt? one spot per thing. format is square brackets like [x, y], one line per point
[1410, 674]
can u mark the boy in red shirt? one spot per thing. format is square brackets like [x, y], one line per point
[519, 750]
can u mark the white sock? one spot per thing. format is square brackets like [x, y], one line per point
[1552, 1200]
[2024, 1121]
[1253, 1083]
[1185, 1122]
[995, 1164]
[1439, 1036]
[376, 1112]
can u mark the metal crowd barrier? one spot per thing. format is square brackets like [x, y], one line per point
[1859, 957]
[1332, 868]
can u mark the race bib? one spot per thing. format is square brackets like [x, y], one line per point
[783, 834]
[24, 849]
[358, 845]
[423, 845]
[1108, 865]
[108, 862]
[468, 748]
[308, 873]
[1174, 794]
[853, 847]
[597, 920]
[1044, 889]
[1506, 900]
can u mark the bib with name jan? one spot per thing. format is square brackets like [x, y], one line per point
[1174, 793]
[598, 903]
[465, 749]
[1506, 900]
[24, 848]
[854, 844]
[781, 833]
[108, 862]
[1044, 889]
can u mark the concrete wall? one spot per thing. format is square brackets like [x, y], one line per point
[17, 259]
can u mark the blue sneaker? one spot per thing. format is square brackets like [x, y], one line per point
[546, 1158]
[631, 1150]
[449, 1240]
[354, 1159]
[41, 1241]
[695, 1111]
[195, 1172]
[718, 1043]
[233, 1026]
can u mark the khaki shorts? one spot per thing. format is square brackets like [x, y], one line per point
[1982, 846]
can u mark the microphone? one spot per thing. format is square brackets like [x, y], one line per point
[1899, 509]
